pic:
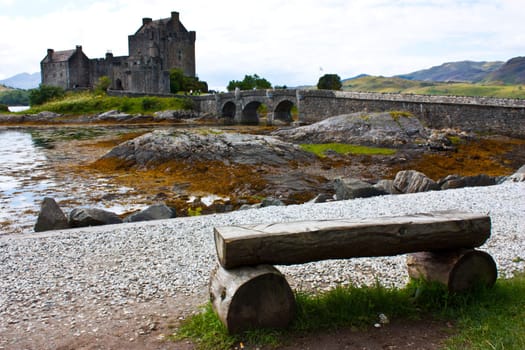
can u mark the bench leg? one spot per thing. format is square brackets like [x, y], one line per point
[459, 270]
[251, 297]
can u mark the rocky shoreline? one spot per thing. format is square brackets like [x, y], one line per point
[66, 285]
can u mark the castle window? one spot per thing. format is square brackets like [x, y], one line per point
[180, 55]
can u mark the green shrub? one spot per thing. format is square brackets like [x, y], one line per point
[4, 108]
[150, 104]
[102, 85]
[44, 93]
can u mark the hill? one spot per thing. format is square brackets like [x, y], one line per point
[462, 71]
[23, 81]
[512, 72]
[405, 86]
[4, 88]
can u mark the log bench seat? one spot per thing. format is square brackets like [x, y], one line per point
[247, 292]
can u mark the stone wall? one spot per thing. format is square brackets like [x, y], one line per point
[483, 115]
[477, 114]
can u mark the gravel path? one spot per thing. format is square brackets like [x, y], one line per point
[103, 271]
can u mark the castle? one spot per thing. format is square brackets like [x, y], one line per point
[154, 49]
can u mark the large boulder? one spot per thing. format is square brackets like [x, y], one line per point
[349, 188]
[154, 212]
[385, 129]
[192, 146]
[51, 217]
[83, 217]
[412, 181]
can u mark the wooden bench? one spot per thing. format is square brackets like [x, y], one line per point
[247, 292]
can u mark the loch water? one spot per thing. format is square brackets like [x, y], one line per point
[28, 174]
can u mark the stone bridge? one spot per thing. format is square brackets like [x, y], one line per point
[477, 114]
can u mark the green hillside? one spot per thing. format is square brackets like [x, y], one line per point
[463, 71]
[404, 86]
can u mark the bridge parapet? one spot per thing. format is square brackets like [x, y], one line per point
[479, 114]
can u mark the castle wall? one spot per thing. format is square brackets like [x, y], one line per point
[78, 71]
[55, 74]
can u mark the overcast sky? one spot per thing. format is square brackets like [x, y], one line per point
[290, 42]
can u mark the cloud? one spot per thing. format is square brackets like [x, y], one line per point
[285, 42]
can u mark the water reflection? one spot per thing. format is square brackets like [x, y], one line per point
[31, 169]
[21, 174]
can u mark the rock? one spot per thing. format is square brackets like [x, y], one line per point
[192, 146]
[438, 141]
[457, 181]
[321, 198]
[386, 186]
[412, 181]
[518, 176]
[271, 202]
[51, 217]
[250, 206]
[113, 115]
[153, 212]
[349, 188]
[83, 217]
[384, 129]
[173, 115]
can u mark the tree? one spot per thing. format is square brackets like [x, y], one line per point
[176, 80]
[14, 97]
[44, 93]
[180, 82]
[249, 82]
[330, 82]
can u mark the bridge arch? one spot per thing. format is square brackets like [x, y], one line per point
[283, 111]
[250, 114]
[228, 110]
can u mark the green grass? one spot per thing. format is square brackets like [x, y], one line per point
[343, 148]
[398, 85]
[484, 319]
[87, 103]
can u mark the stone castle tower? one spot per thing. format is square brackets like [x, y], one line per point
[156, 48]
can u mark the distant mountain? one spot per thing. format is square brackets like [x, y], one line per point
[23, 81]
[512, 72]
[462, 71]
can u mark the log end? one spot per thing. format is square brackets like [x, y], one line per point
[474, 268]
[460, 270]
[252, 297]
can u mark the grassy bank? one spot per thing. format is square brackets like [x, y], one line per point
[398, 85]
[484, 319]
[345, 149]
[89, 103]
